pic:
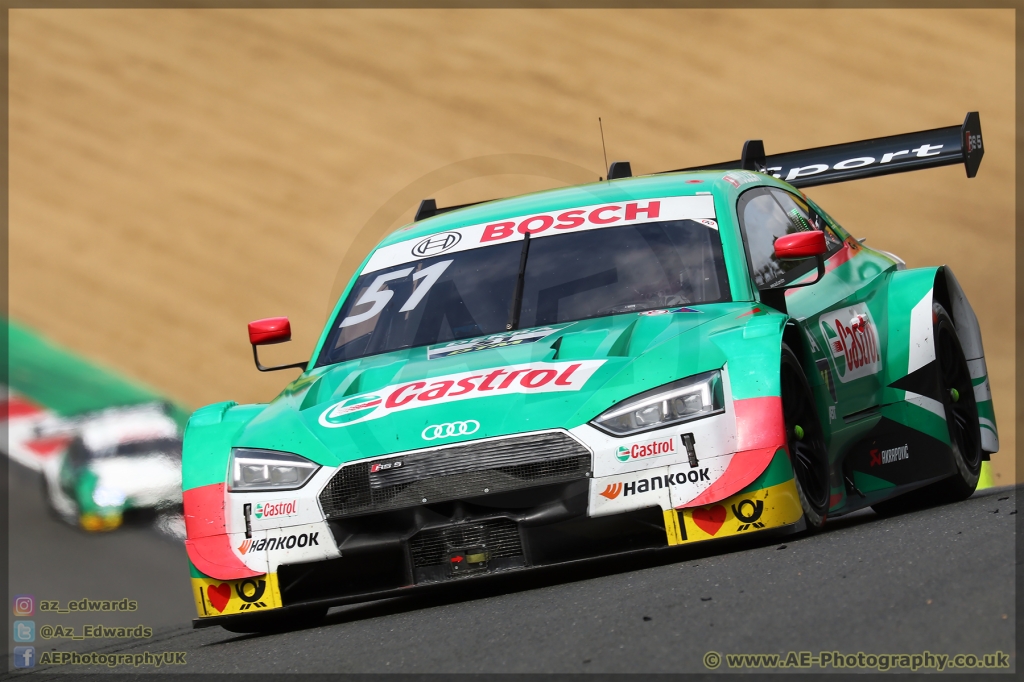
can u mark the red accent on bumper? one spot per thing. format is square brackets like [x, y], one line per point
[759, 424]
[760, 432]
[743, 469]
[213, 556]
[204, 510]
[208, 546]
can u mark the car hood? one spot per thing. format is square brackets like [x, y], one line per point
[542, 378]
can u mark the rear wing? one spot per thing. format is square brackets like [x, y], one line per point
[866, 159]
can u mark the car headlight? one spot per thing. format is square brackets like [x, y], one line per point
[255, 470]
[681, 401]
[105, 496]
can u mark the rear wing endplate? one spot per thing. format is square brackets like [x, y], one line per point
[868, 158]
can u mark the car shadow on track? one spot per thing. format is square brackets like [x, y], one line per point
[482, 587]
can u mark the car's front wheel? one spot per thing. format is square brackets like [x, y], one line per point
[58, 505]
[806, 441]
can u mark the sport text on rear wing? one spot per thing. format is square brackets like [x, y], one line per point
[866, 159]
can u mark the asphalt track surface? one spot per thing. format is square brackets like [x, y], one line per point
[940, 579]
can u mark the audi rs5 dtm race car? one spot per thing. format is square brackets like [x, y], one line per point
[634, 364]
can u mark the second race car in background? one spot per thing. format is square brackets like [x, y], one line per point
[119, 461]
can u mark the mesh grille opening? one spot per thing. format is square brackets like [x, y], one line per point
[499, 537]
[468, 470]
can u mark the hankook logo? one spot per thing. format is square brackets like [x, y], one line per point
[451, 429]
[436, 243]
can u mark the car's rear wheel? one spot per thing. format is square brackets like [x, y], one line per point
[806, 440]
[278, 622]
[961, 410]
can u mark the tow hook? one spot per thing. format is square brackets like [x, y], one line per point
[688, 442]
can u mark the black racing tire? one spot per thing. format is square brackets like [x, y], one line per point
[50, 509]
[278, 622]
[808, 453]
[961, 414]
[961, 419]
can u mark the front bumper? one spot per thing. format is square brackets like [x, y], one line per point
[411, 550]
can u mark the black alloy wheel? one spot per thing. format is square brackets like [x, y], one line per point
[961, 410]
[806, 441]
[957, 396]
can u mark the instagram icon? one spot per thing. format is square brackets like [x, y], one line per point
[24, 605]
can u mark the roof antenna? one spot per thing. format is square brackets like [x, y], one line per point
[603, 149]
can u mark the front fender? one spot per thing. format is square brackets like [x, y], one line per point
[204, 461]
[753, 351]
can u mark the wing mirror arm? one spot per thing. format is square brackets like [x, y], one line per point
[270, 331]
[796, 246]
[256, 357]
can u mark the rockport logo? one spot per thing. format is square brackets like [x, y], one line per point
[654, 483]
[283, 542]
[889, 456]
[277, 509]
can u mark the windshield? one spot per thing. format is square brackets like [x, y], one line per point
[568, 277]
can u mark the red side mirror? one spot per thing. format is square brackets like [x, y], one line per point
[270, 330]
[801, 245]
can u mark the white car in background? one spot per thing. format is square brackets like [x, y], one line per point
[119, 461]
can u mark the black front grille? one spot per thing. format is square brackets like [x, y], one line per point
[466, 470]
[499, 538]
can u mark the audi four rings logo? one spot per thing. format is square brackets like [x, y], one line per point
[436, 243]
[452, 429]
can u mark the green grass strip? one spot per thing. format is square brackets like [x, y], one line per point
[67, 383]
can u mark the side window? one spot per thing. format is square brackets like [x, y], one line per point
[806, 218]
[833, 227]
[765, 215]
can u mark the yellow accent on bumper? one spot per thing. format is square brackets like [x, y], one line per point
[772, 507]
[222, 597]
[97, 522]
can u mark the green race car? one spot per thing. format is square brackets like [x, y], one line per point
[634, 364]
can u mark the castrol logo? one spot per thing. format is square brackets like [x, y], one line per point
[852, 339]
[273, 509]
[646, 449]
[534, 377]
